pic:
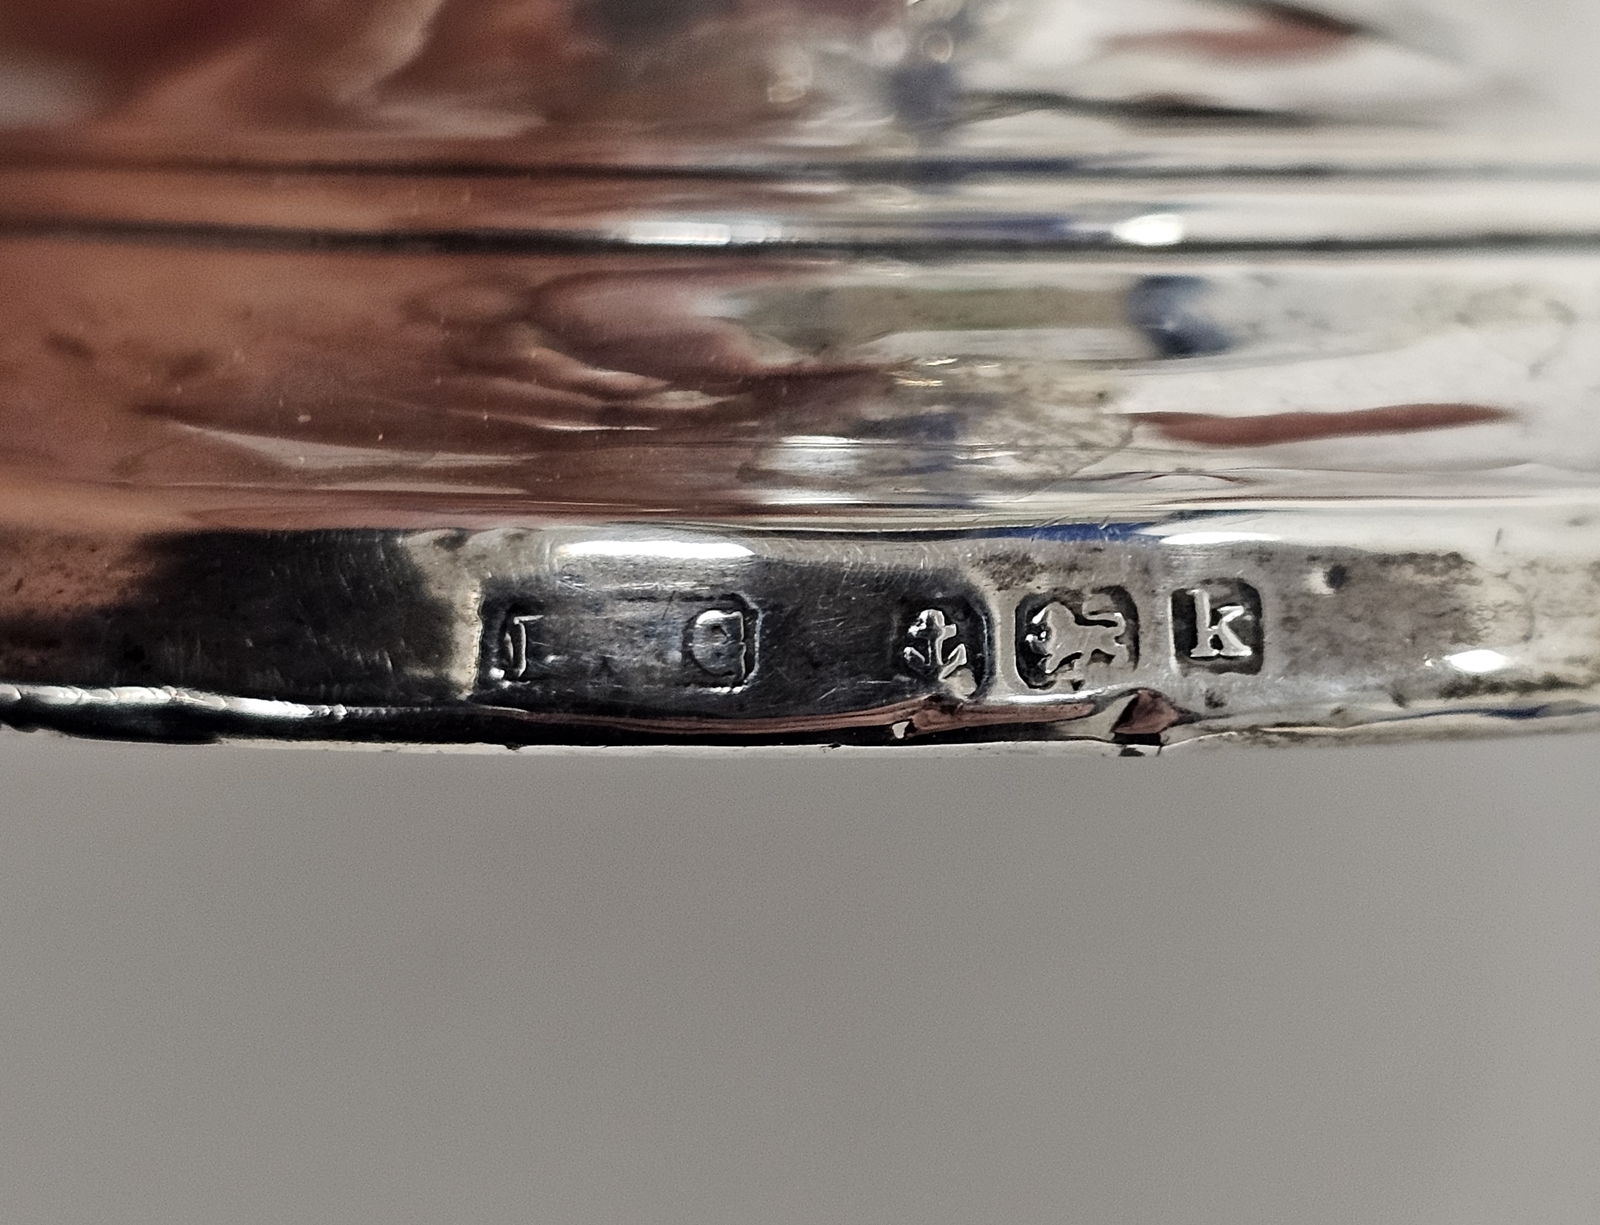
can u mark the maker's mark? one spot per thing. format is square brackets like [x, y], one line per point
[720, 642]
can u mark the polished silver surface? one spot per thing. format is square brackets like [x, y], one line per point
[1269, 625]
[245, 384]
[792, 370]
[1196, 85]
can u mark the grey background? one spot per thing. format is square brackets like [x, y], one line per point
[1338, 985]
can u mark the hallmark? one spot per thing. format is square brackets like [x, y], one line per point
[1066, 637]
[1217, 626]
[518, 647]
[721, 643]
[934, 647]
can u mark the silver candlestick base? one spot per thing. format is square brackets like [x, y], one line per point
[1265, 626]
[803, 371]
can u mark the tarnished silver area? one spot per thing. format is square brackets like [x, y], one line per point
[1268, 624]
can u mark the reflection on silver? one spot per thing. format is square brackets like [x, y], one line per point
[1478, 663]
[1354, 621]
[803, 370]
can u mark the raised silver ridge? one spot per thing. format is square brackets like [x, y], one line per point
[1269, 625]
